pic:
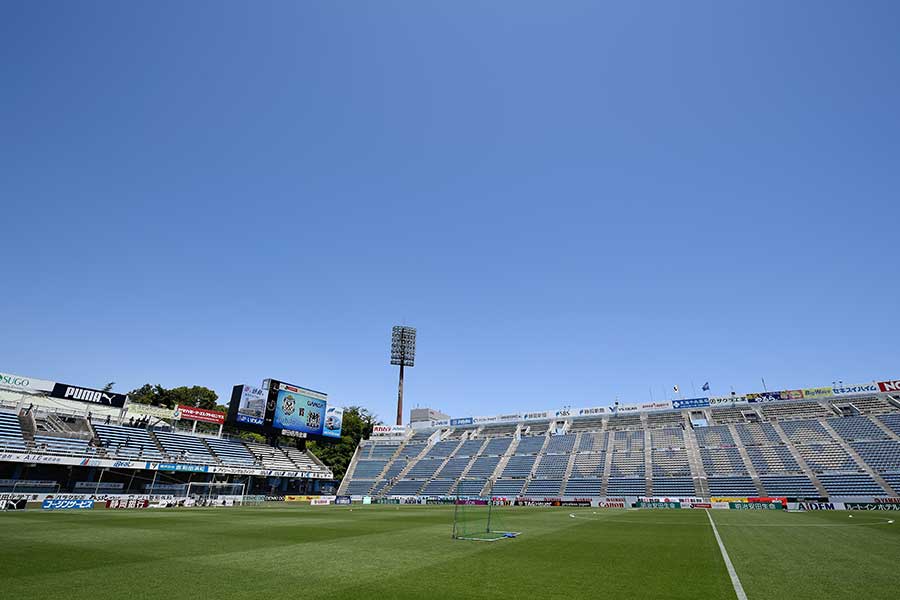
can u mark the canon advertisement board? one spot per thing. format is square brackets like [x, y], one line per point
[280, 408]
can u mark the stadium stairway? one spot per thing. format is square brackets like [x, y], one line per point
[748, 464]
[607, 465]
[465, 472]
[648, 462]
[852, 452]
[571, 464]
[385, 491]
[799, 458]
[698, 473]
[501, 464]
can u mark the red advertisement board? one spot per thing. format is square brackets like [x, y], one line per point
[199, 414]
[889, 386]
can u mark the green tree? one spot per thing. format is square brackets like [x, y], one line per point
[149, 394]
[157, 395]
[357, 424]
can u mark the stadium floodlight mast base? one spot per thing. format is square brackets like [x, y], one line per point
[403, 353]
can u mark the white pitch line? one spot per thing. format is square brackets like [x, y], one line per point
[735, 582]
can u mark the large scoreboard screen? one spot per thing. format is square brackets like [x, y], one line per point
[299, 409]
[284, 408]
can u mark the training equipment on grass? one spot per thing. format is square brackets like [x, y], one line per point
[216, 493]
[479, 519]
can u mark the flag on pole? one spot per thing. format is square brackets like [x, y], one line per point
[706, 387]
[675, 387]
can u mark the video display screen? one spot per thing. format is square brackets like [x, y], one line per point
[285, 409]
[299, 409]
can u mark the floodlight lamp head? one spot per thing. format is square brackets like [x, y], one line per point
[403, 346]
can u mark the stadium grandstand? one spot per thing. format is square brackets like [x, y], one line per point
[51, 446]
[822, 442]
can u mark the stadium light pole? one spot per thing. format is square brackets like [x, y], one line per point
[403, 353]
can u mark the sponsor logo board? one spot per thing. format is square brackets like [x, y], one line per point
[889, 386]
[65, 504]
[192, 413]
[690, 403]
[64, 391]
[25, 384]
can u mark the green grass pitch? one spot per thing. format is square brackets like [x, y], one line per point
[390, 552]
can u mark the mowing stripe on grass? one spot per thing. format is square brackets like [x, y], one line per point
[738, 588]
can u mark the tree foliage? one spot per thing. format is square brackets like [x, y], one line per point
[357, 424]
[157, 395]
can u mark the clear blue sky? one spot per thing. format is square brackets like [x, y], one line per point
[572, 201]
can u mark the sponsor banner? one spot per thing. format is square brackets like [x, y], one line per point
[690, 403]
[792, 395]
[64, 504]
[767, 499]
[192, 413]
[656, 505]
[862, 388]
[64, 391]
[610, 503]
[251, 407]
[342, 500]
[308, 498]
[367, 500]
[319, 502]
[727, 499]
[727, 400]
[651, 406]
[388, 430]
[565, 412]
[119, 503]
[182, 468]
[274, 498]
[806, 506]
[18, 504]
[755, 505]
[821, 392]
[22, 383]
[334, 417]
[595, 410]
[701, 505]
[886, 500]
[720, 505]
[147, 410]
[889, 386]
[536, 416]
[764, 397]
[625, 408]
[668, 499]
[462, 421]
[871, 506]
[440, 423]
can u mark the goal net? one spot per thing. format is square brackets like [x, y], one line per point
[216, 494]
[480, 519]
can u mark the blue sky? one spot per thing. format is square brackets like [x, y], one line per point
[572, 201]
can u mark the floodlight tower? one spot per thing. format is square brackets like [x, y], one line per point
[403, 353]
